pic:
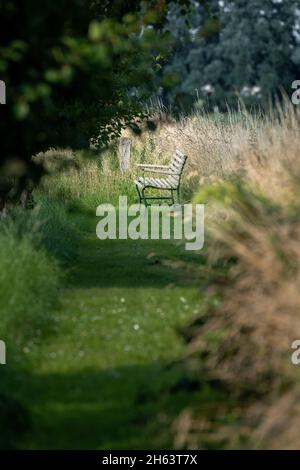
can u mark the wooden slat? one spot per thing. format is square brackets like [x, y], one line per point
[180, 154]
[162, 172]
[176, 168]
[177, 159]
[173, 181]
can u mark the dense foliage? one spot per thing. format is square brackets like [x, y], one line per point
[73, 73]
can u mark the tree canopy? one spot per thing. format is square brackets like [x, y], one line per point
[74, 72]
[241, 48]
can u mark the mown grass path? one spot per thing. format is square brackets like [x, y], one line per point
[101, 381]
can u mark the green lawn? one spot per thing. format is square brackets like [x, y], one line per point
[103, 380]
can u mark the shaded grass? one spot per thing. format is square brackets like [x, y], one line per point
[101, 381]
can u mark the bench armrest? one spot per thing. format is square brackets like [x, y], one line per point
[164, 172]
[146, 165]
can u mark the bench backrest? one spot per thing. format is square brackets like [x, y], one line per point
[177, 164]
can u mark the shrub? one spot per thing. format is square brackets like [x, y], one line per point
[29, 287]
[47, 226]
[56, 233]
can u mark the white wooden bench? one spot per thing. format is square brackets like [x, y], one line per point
[171, 181]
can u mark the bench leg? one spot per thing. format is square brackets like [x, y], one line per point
[172, 195]
[139, 193]
[144, 197]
